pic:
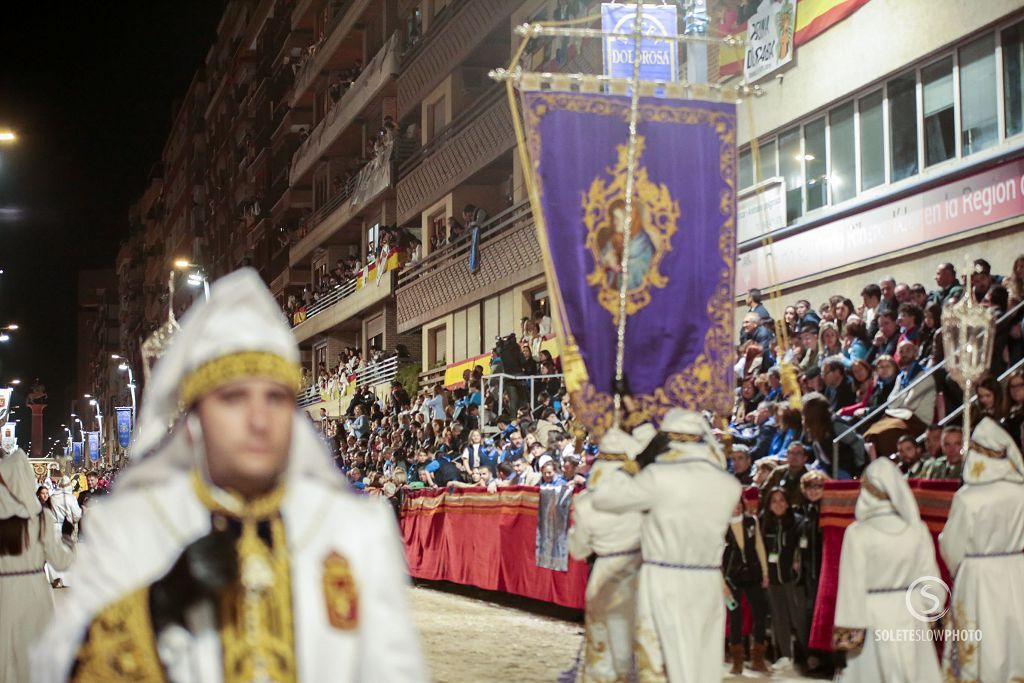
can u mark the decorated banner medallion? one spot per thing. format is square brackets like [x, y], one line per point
[680, 255]
[341, 595]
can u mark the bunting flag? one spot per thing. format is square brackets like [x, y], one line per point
[124, 426]
[76, 452]
[5, 404]
[93, 438]
[813, 17]
[681, 251]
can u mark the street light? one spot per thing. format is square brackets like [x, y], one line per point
[197, 278]
[15, 382]
[123, 366]
[8, 136]
[12, 326]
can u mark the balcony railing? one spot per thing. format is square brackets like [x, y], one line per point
[344, 14]
[479, 136]
[340, 292]
[381, 69]
[369, 376]
[448, 43]
[509, 253]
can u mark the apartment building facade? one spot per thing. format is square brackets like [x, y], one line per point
[333, 145]
[892, 143]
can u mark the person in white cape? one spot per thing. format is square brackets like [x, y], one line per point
[211, 561]
[688, 499]
[611, 589]
[28, 540]
[983, 547]
[886, 556]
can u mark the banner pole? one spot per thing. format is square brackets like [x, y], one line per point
[627, 223]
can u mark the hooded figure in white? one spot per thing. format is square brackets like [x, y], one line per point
[185, 581]
[611, 589]
[983, 547]
[26, 598]
[688, 499]
[886, 554]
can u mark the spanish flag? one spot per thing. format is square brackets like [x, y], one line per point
[813, 17]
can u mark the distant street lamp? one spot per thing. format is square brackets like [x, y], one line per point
[7, 137]
[196, 278]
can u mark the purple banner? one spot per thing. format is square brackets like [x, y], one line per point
[681, 251]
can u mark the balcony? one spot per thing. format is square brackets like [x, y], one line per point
[371, 181]
[441, 283]
[346, 110]
[345, 303]
[470, 143]
[370, 376]
[447, 45]
[343, 20]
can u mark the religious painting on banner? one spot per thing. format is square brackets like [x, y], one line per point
[680, 255]
[124, 426]
[93, 439]
[5, 404]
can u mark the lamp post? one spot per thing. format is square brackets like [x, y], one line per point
[197, 276]
[968, 333]
[99, 418]
[125, 367]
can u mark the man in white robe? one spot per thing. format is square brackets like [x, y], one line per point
[611, 589]
[885, 555]
[982, 545]
[688, 499]
[211, 561]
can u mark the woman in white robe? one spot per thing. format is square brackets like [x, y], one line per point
[885, 551]
[982, 546]
[26, 599]
[611, 589]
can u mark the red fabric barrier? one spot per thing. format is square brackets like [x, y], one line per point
[487, 540]
[837, 513]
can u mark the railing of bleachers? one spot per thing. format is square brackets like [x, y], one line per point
[929, 374]
[371, 375]
[521, 389]
[954, 414]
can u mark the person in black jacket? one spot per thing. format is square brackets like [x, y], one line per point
[745, 566]
[782, 527]
[812, 484]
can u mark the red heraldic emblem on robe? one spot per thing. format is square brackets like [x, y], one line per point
[340, 594]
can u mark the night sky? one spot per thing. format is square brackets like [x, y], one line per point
[90, 88]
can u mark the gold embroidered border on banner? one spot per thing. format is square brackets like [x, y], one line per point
[702, 384]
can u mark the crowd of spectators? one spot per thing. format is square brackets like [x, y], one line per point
[803, 383]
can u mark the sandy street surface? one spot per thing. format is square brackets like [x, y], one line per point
[474, 640]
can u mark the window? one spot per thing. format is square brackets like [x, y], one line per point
[438, 230]
[902, 126]
[842, 177]
[1013, 78]
[790, 167]
[373, 239]
[978, 120]
[320, 355]
[872, 141]
[436, 346]
[437, 119]
[939, 122]
[767, 160]
[816, 169]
